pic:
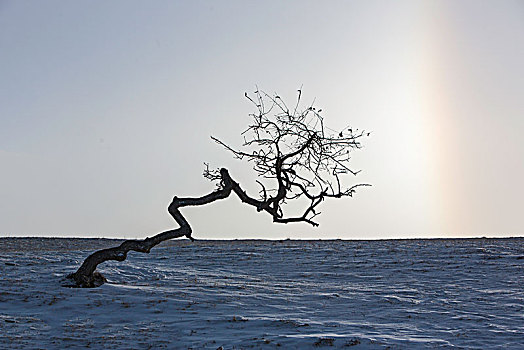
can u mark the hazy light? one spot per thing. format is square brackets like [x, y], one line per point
[107, 109]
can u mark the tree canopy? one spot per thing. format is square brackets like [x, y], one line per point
[293, 147]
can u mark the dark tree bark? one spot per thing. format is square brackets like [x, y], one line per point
[288, 147]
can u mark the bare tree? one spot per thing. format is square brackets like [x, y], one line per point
[296, 158]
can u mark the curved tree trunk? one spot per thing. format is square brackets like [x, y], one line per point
[87, 277]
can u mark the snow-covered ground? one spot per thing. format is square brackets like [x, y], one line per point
[249, 294]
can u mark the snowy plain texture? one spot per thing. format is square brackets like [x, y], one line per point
[396, 294]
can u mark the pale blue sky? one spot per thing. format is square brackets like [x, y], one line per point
[106, 109]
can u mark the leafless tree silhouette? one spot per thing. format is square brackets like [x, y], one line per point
[296, 157]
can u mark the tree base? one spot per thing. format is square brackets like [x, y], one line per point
[96, 279]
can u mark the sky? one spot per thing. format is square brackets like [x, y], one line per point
[107, 108]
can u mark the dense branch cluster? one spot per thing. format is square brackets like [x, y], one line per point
[293, 147]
